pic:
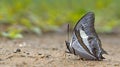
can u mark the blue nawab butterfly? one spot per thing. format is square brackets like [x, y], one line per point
[85, 41]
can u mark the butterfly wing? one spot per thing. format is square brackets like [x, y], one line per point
[83, 29]
[77, 49]
[86, 23]
[85, 42]
[87, 37]
[77, 45]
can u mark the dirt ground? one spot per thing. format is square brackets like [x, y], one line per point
[49, 51]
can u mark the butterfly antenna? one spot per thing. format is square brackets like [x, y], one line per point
[68, 31]
[66, 41]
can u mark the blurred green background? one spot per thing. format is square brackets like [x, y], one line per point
[42, 16]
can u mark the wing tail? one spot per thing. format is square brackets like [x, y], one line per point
[104, 52]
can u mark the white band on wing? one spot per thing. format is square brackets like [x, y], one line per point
[85, 39]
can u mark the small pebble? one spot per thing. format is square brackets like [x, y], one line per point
[54, 48]
[22, 44]
[39, 54]
[48, 56]
[116, 64]
[45, 56]
[27, 53]
[17, 50]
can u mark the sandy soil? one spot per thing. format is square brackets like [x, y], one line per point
[49, 51]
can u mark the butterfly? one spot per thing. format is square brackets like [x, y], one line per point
[85, 41]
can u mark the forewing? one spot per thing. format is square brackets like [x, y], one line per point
[86, 23]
